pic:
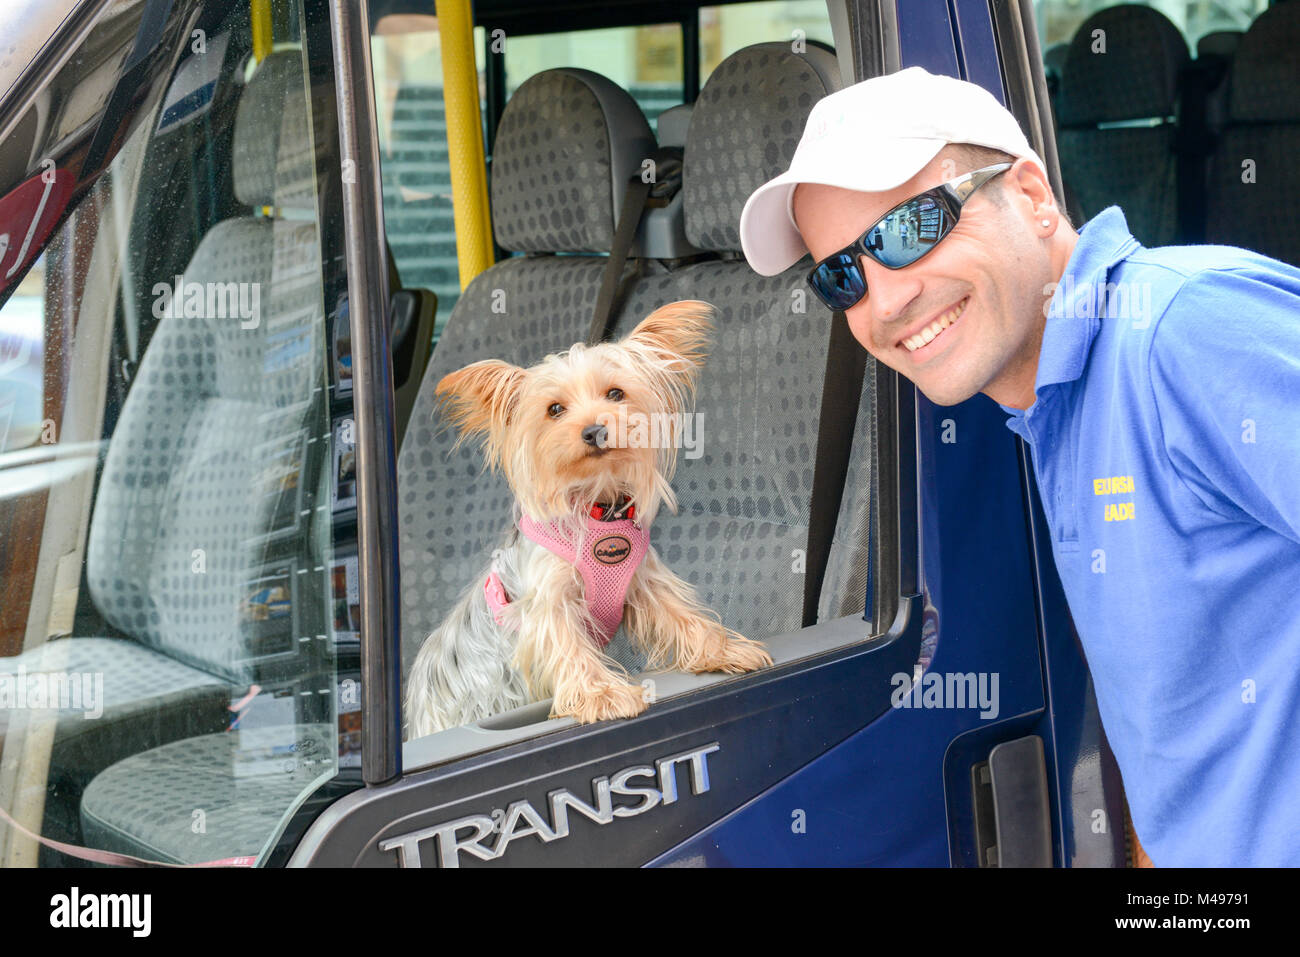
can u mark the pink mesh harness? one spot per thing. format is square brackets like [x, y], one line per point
[611, 553]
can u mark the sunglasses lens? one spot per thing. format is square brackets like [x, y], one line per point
[909, 232]
[900, 239]
[838, 281]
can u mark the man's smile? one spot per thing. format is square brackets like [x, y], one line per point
[919, 340]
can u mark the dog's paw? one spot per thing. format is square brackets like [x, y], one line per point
[602, 703]
[745, 654]
[722, 649]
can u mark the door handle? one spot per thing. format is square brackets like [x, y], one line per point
[1013, 826]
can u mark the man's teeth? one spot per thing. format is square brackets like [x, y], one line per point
[932, 331]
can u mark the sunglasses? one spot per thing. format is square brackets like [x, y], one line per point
[899, 238]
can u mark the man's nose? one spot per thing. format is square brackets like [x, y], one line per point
[889, 291]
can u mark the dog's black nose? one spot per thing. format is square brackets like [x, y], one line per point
[595, 435]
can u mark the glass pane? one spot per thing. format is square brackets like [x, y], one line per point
[646, 61]
[406, 54]
[1173, 136]
[178, 641]
[1059, 19]
[726, 29]
[22, 347]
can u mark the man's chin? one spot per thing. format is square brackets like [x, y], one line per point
[946, 396]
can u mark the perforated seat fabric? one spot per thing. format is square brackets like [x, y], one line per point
[126, 682]
[1134, 79]
[1255, 208]
[206, 798]
[140, 696]
[567, 142]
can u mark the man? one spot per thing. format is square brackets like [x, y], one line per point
[1159, 390]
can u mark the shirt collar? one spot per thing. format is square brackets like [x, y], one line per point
[1077, 303]
[1079, 300]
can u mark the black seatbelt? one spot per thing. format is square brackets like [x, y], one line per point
[667, 181]
[846, 366]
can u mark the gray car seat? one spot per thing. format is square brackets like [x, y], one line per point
[182, 473]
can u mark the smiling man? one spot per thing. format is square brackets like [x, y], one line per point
[1159, 390]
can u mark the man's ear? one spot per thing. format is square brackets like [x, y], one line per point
[481, 399]
[678, 331]
[1029, 184]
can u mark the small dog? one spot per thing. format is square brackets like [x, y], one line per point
[578, 562]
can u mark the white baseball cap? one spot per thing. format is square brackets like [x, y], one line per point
[872, 137]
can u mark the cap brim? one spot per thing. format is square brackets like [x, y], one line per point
[769, 237]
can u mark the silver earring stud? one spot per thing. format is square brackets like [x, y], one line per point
[1047, 222]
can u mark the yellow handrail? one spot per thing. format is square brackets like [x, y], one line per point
[464, 139]
[259, 13]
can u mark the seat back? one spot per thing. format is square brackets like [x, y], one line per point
[1254, 192]
[1116, 132]
[217, 396]
[743, 502]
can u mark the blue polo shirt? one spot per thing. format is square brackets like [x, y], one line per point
[1166, 443]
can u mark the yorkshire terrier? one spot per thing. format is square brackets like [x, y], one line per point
[578, 561]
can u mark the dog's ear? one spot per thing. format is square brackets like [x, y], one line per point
[481, 399]
[678, 330]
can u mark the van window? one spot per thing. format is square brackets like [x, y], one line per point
[178, 663]
[1179, 115]
[741, 532]
[22, 348]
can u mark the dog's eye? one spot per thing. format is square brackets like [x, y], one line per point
[614, 395]
[555, 411]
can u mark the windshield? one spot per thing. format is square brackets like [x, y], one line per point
[178, 641]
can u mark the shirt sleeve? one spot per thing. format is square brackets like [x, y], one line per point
[1225, 372]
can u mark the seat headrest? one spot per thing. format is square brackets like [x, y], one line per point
[747, 121]
[1221, 43]
[673, 124]
[568, 141]
[273, 154]
[1136, 77]
[1265, 73]
[1054, 57]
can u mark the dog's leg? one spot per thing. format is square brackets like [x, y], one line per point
[677, 631]
[462, 672]
[558, 657]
